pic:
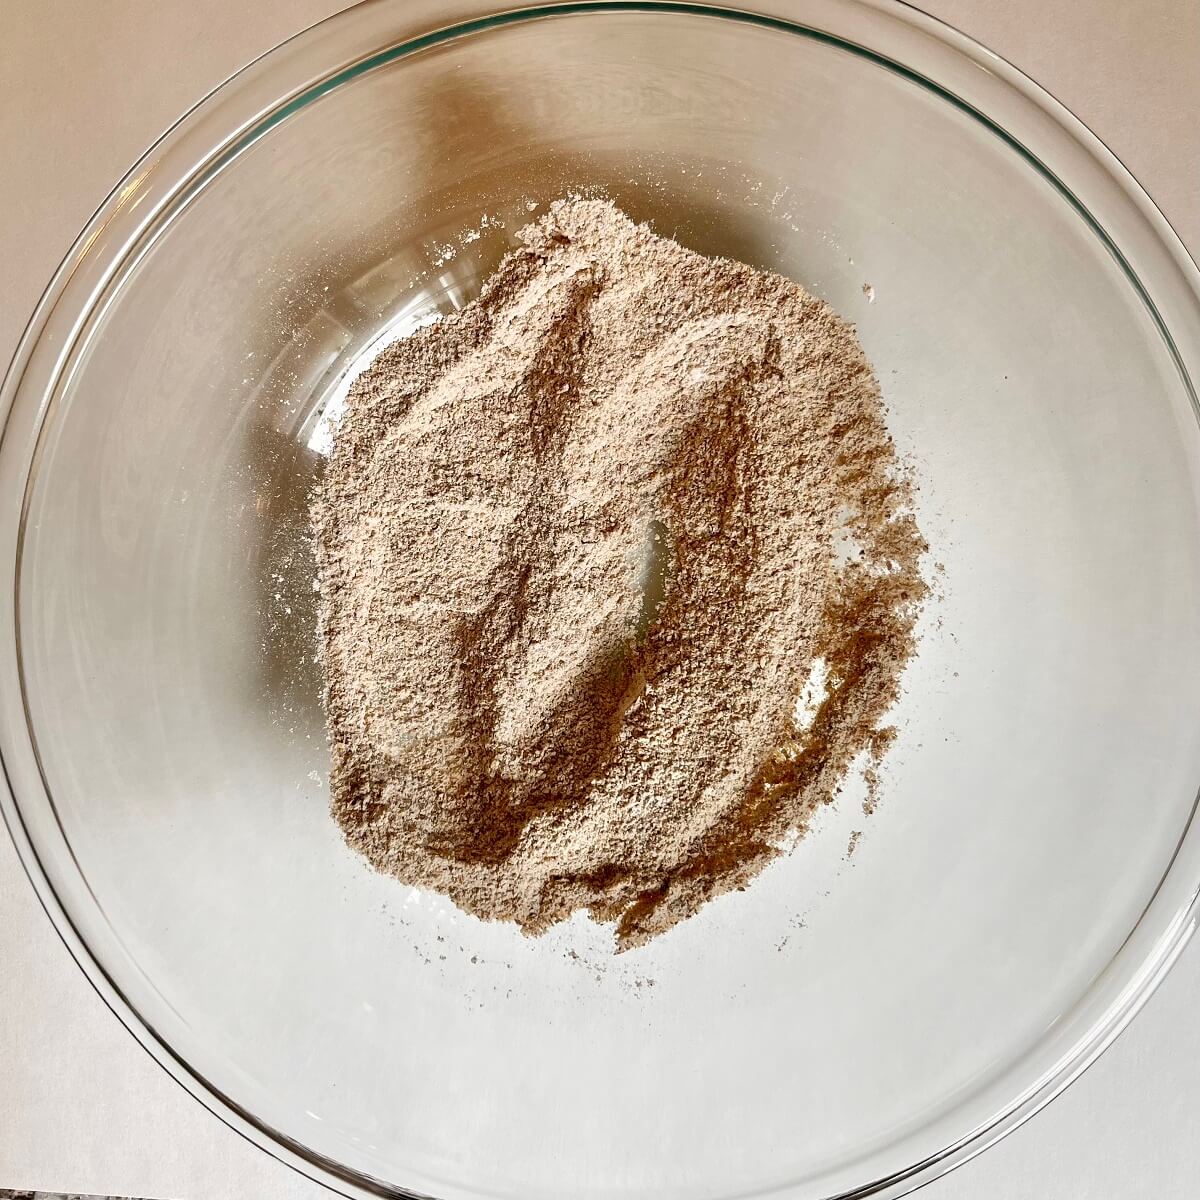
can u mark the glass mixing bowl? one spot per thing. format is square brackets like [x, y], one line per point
[847, 1026]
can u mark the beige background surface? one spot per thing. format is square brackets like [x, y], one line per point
[85, 86]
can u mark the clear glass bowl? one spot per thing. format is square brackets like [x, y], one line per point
[845, 1026]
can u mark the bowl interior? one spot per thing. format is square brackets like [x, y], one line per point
[843, 1016]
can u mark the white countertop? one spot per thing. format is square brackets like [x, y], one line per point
[84, 88]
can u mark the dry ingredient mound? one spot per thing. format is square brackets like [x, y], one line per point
[618, 575]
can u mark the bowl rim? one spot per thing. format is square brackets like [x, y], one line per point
[169, 174]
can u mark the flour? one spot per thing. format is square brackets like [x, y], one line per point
[618, 576]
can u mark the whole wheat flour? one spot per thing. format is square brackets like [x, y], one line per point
[618, 575]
